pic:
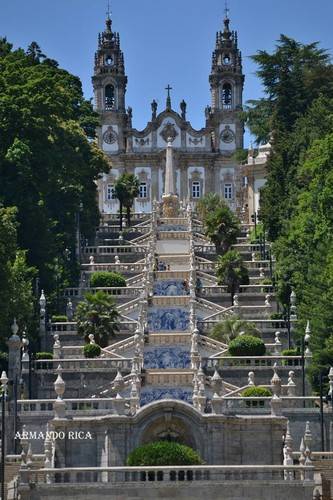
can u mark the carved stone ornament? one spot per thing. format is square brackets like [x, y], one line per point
[195, 141]
[169, 132]
[227, 135]
[110, 136]
[142, 142]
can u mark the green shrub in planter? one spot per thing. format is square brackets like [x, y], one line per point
[246, 345]
[43, 355]
[256, 392]
[289, 352]
[91, 351]
[163, 453]
[104, 279]
[59, 319]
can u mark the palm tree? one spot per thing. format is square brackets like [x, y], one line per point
[222, 227]
[229, 329]
[126, 189]
[230, 271]
[97, 315]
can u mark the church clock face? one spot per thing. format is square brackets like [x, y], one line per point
[227, 135]
[109, 61]
[110, 136]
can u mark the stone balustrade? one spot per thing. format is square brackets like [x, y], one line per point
[173, 235]
[205, 249]
[124, 268]
[262, 405]
[130, 291]
[114, 250]
[83, 365]
[175, 474]
[247, 291]
[129, 306]
[135, 217]
[164, 275]
[75, 407]
[286, 362]
[169, 377]
[171, 300]
[69, 326]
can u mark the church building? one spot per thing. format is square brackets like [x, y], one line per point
[203, 159]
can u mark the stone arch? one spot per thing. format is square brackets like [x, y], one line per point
[172, 420]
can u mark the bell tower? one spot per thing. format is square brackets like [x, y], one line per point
[226, 85]
[109, 82]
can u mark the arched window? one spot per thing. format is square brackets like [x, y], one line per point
[226, 59]
[227, 96]
[109, 97]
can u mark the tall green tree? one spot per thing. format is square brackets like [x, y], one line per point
[49, 161]
[222, 227]
[231, 271]
[126, 189]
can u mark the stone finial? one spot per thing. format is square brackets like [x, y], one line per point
[42, 302]
[59, 405]
[216, 382]
[253, 256]
[91, 260]
[302, 453]
[276, 382]
[24, 441]
[116, 259]
[308, 435]
[118, 382]
[14, 327]
[119, 403]
[250, 379]
[25, 352]
[288, 453]
[69, 310]
[29, 456]
[236, 300]
[56, 347]
[307, 338]
[91, 338]
[291, 386]
[268, 300]
[330, 378]
[261, 272]
[293, 308]
[278, 344]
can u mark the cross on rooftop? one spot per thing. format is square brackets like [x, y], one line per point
[168, 88]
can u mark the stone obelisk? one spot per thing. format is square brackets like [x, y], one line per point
[170, 200]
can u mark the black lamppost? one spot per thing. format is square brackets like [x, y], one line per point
[4, 382]
[321, 412]
[304, 347]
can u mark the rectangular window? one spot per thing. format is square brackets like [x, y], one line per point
[143, 190]
[110, 192]
[196, 189]
[228, 191]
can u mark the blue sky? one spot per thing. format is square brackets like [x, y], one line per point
[163, 41]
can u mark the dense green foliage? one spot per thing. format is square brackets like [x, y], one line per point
[107, 279]
[43, 355]
[97, 315]
[256, 392]
[126, 189]
[59, 318]
[91, 351]
[48, 161]
[221, 225]
[231, 328]
[231, 271]
[16, 277]
[247, 345]
[297, 202]
[163, 453]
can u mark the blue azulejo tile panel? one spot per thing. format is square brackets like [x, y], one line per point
[157, 394]
[168, 319]
[167, 357]
[171, 287]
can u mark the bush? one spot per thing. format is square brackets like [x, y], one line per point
[163, 453]
[256, 392]
[91, 351]
[59, 319]
[290, 352]
[276, 315]
[107, 279]
[246, 345]
[43, 355]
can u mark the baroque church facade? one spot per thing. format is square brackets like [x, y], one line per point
[203, 159]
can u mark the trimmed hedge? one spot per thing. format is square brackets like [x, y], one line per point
[91, 351]
[43, 355]
[290, 352]
[256, 392]
[104, 279]
[59, 319]
[163, 453]
[246, 345]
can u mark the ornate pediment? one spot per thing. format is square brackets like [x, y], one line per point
[227, 135]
